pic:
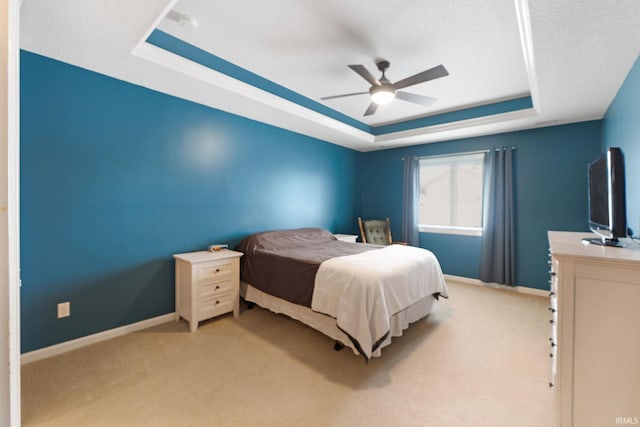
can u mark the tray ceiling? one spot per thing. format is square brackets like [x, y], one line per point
[567, 58]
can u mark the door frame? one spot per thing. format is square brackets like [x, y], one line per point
[10, 213]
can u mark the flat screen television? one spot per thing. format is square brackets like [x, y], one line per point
[607, 206]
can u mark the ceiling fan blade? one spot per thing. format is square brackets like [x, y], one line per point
[365, 74]
[372, 109]
[426, 101]
[342, 96]
[425, 76]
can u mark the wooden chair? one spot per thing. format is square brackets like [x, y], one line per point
[376, 231]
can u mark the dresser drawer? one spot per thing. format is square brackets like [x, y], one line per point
[554, 366]
[211, 306]
[214, 271]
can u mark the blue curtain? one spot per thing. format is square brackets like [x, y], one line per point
[497, 256]
[411, 198]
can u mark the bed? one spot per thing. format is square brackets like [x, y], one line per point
[360, 295]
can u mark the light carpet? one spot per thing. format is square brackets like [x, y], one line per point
[480, 359]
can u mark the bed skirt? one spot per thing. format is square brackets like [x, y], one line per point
[327, 324]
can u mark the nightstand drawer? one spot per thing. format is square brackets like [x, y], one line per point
[216, 288]
[215, 305]
[214, 271]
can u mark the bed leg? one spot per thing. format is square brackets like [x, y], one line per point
[338, 346]
[249, 305]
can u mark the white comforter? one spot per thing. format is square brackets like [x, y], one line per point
[362, 292]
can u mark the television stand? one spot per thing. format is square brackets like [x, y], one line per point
[603, 242]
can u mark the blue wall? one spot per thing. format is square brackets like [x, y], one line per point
[115, 178]
[550, 185]
[621, 128]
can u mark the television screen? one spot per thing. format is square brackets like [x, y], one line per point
[599, 193]
[607, 206]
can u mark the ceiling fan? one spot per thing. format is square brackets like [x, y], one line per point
[382, 91]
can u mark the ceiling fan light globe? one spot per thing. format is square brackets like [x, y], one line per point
[382, 95]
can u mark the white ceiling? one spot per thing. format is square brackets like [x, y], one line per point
[570, 55]
[306, 46]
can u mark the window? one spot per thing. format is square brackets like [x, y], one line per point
[451, 194]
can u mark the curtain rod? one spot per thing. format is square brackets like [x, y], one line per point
[464, 153]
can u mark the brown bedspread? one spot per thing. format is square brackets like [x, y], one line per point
[284, 263]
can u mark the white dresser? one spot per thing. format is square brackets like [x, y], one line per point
[207, 285]
[595, 334]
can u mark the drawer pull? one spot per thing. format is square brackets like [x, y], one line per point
[551, 355]
[553, 344]
[217, 302]
[550, 384]
[551, 293]
[217, 287]
[551, 321]
[552, 273]
[551, 309]
[217, 270]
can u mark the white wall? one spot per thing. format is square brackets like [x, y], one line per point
[9, 215]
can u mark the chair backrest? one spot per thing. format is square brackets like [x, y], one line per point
[375, 231]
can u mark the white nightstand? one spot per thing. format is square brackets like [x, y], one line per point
[347, 237]
[207, 285]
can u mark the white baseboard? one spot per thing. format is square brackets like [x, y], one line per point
[66, 346]
[478, 282]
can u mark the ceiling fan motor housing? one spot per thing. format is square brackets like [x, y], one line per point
[385, 92]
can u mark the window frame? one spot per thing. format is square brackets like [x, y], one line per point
[454, 229]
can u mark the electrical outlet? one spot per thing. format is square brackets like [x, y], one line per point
[64, 309]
